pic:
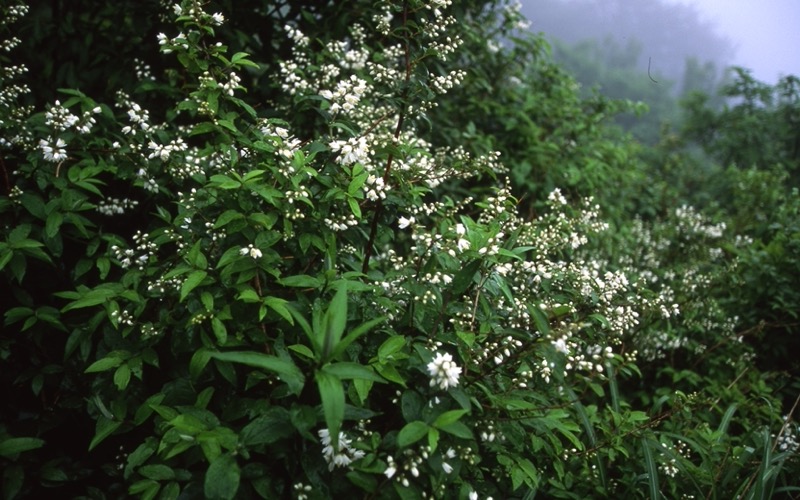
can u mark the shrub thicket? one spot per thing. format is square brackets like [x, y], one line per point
[268, 250]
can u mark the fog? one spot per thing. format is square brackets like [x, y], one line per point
[765, 34]
[762, 36]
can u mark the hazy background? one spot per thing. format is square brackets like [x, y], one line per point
[763, 36]
[659, 52]
[765, 33]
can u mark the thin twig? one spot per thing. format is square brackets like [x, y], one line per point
[648, 70]
[373, 230]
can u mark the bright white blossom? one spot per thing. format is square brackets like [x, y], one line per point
[403, 222]
[54, 152]
[344, 455]
[443, 371]
[253, 251]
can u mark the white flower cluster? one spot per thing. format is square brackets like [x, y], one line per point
[148, 183]
[346, 95]
[251, 250]
[143, 70]
[138, 117]
[341, 223]
[692, 223]
[115, 206]
[121, 317]
[670, 467]
[441, 84]
[444, 371]
[53, 150]
[408, 466]
[139, 256]
[353, 150]
[11, 111]
[787, 439]
[344, 455]
[163, 152]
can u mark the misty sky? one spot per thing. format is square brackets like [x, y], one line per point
[765, 33]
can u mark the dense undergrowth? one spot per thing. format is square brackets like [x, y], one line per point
[383, 249]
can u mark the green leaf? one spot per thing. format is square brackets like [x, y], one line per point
[302, 350]
[346, 370]
[726, 419]
[220, 332]
[390, 373]
[222, 478]
[227, 217]
[411, 433]
[391, 346]
[652, 470]
[457, 429]
[331, 392]
[354, 207]
[301, 281]
[146, 489]
[286, 370]
[192, 281]
[539, 319]
[249, 295]
[104, 364]
[53, 223]
[265, 220]
[199, 361]
[433, 439]
[12, 446]
[279, 306]
[17, 314]
[335, 321]
[95, 296]
[301, 320]
[274, 425]
[411, 404]
[195, 256]
[203, 128]
[449, 417]
[12, 481]
[465, 277]
[105, 427]
[122, 377]
[355, 333]
[158, 472]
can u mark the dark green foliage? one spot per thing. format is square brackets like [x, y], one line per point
[225, 279]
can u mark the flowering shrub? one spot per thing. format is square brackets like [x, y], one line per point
[317, 294]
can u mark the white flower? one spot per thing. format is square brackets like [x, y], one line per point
[473, 495]
[404, 223]
[462, 244]
[218, 18]
[341, 457]
[254, 253]
[447, 468]
[389, 472]
[53, 152]
[561, 346]
[354, 150]
[443, 371]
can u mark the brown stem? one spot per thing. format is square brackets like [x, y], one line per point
[373, 230]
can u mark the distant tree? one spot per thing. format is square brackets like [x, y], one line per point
[761, 128]
[668, 34]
